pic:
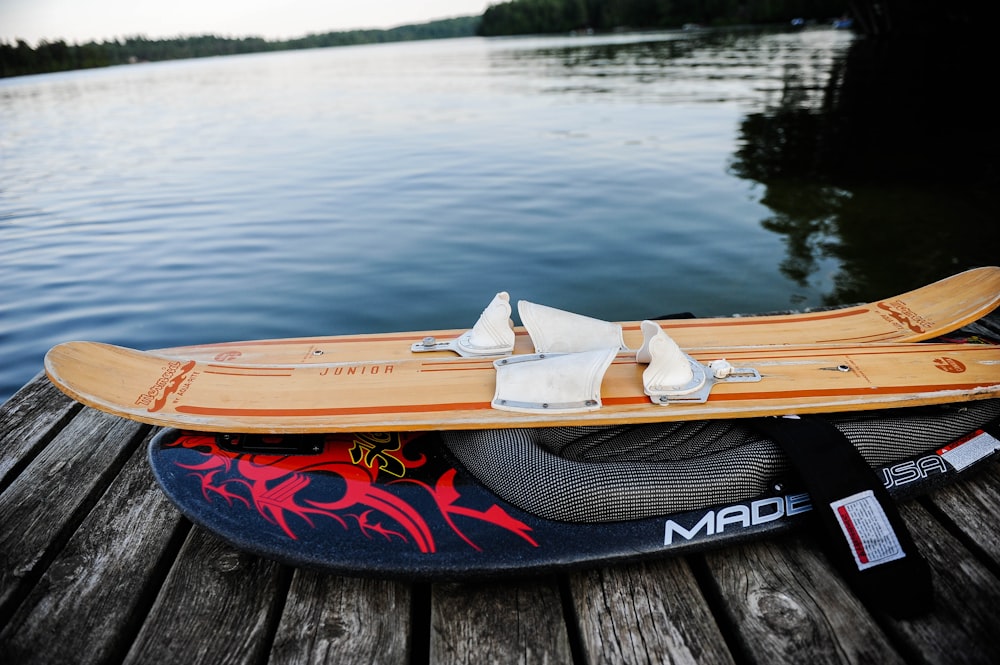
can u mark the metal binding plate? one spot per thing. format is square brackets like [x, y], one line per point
[459, 345]
[705, 378]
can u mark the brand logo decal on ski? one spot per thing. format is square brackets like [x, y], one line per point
[897, 310]
[910, 471]
[358, 370]
[950, 365]
[170, 382]
[741, 515]
[754, 513]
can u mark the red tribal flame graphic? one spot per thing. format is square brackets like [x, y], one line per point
[274, 486]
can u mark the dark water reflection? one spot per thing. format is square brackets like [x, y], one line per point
[881, 156]
[894, 176]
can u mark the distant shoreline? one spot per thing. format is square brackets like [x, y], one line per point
[20, 59]
[516, 17]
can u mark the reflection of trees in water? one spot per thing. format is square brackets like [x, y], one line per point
[879, 159]
[781, 150]
[895, 177]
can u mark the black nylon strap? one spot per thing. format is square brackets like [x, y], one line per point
[866, 535]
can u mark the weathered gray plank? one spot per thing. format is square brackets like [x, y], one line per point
[787, 606]
[46, 501]
[27, 421]
[91, 592]
[972, 508]
[216, 606]
[514, 622]
[646, 613]
[965, 622]
[329, 619]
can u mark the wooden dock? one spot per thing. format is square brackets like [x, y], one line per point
[98, 567]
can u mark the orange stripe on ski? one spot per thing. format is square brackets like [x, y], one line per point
[796, 394]
[608, 401]
[250, 371]
[331, 411]
[754, 321]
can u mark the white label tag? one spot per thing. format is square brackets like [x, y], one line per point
[966, 452]
[866, 527]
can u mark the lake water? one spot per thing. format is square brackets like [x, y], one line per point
[399, 186]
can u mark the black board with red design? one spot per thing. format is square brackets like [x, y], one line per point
[401, 506]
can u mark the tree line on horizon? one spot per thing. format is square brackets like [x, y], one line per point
[508, 18]
[558, 16]
[21, 59]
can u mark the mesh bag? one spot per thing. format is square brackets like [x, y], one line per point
[604, 474]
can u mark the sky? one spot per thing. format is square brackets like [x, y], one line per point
[80, 21]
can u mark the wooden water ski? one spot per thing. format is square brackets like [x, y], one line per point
[456, 393]
[918, 315]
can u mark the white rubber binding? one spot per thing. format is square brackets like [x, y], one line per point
[671, 371]
[557, 331]
[650, 331]
[492, 335]
[559, 383]
[674, 376]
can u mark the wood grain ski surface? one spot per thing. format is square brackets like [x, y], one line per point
[455, 393]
